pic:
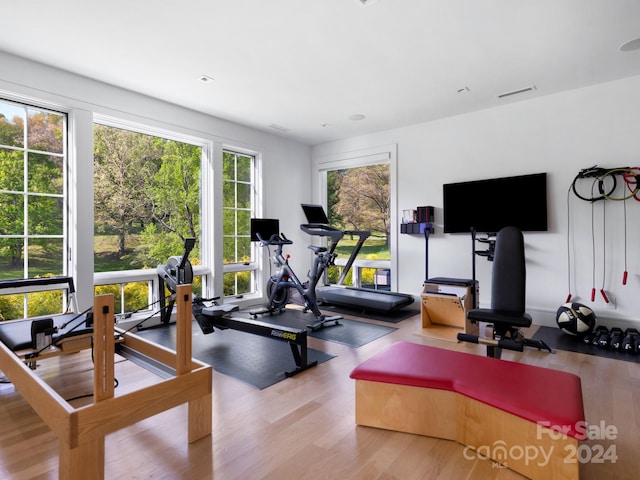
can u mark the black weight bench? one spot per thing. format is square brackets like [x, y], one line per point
[508, 291]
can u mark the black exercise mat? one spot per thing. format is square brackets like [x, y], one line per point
[389, 317]
[253, 359]
[557, 340]
[349, 332]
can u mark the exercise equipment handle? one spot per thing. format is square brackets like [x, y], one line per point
[511, 345]
[505, 343]
[465, 337]
[189, 243]
[275, 239]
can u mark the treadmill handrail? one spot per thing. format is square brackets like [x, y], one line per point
[320, 230]
[362, 237]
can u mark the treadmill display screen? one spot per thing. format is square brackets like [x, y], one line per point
[315, 214]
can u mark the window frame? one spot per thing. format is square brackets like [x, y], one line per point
[255, 265]
[123, 277]
[363, 158]
[65, 196]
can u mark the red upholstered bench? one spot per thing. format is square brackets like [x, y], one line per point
[527, 418]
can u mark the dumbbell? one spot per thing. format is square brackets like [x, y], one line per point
[593, 337]
[603, 338]
[630, 341]
[615, 338]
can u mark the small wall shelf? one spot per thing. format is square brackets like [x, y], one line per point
[423, 225]
[416, 228]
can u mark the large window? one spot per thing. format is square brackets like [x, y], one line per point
[146, 203]
[238, 208]
[33, 172]
[359, 199]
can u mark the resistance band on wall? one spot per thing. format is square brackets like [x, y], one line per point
[604, 182]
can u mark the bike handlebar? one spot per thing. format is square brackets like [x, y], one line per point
[275, 239]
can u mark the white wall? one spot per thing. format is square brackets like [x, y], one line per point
[558, 134]
[286, 164]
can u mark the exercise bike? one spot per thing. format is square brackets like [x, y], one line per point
[279, 286]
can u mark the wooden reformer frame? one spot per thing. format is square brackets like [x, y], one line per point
[81, 431]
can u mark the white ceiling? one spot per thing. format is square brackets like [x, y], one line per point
[303, 64]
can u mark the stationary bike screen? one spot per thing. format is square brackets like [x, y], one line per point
[266, 227]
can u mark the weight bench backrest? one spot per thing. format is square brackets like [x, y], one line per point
[508, 283]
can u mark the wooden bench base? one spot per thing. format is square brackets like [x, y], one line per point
[487, 432]
[520, 416]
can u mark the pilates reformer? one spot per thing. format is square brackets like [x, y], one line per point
[81, 432]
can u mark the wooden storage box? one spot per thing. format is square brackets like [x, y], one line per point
[444, 306]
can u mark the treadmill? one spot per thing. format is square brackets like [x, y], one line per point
[341, 295]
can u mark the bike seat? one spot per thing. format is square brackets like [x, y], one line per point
[317, 249]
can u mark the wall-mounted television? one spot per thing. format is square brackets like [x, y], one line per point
[490, 204]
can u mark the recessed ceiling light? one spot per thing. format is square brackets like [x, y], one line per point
[205, 78]
[630, 45]
[356, 117]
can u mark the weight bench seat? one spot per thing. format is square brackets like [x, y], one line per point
[481, 402]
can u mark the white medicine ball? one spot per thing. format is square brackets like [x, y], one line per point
[575, 318]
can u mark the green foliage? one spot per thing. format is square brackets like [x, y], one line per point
[375, 248]
[44, 303]
[367, 276]
[146, 186]
[124, 162]
[360, 198]
[11, 307]
[136, 296]
[237, 283]
[159, 246]
[174, 193]
[38, 304]
[334, 180]
[11, 125]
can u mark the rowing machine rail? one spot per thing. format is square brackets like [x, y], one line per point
[219, 316]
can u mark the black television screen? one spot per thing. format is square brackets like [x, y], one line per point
[488, 205]
[265, 227]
